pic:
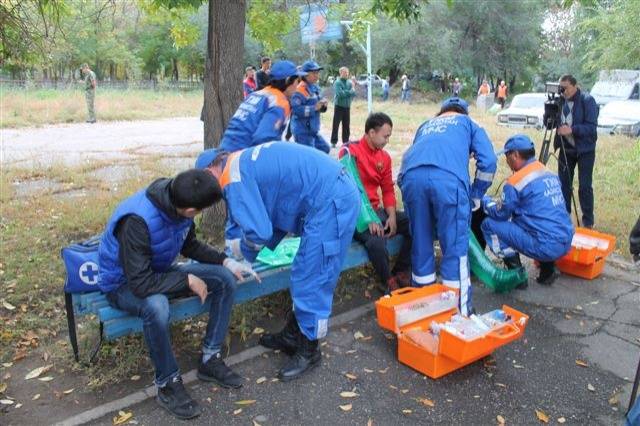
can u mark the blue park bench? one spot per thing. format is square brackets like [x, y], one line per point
[115, 323]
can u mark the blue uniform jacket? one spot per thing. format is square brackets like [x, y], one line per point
[585, 123]
[445, 142]
[305, 119]
[532, 199]
[262, 117]
[271, 188]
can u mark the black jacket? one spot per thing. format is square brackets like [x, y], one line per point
[585, 124]
[135, 249]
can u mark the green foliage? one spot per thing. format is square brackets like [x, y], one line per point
[269, 21]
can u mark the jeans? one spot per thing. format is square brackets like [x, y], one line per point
[340, 115]
[405, 95]
[377, 247]
[566, 169]
[154, 312]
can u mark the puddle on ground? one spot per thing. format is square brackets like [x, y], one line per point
[29, 188]
[116, 173]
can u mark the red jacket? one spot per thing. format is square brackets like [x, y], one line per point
[374, 167]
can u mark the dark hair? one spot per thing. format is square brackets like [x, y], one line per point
[194, 188]
[571, 79]
[282, 85]
[452, 107]
[377, 120]
[526, 154]
[265, 59]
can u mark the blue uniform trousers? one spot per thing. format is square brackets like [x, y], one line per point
[506, 239]
[435, 199]
[314, 141]
[324, 242]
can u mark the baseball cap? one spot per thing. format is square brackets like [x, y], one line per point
[311, 66]
[285, 69]
[517, 142]
[456, 101]
[207, 157]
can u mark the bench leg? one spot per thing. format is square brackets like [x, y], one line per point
[71, 323]
[96, 349]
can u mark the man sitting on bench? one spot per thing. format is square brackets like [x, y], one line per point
[142, 239]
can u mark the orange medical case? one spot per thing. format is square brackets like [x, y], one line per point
[588, 253]
[451, 352]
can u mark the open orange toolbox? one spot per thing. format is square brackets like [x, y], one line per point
[452, 352]
[585, 260]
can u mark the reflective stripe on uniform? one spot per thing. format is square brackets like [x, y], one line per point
[424, 279]
[451, 283]
[484, 176]
[519, 186]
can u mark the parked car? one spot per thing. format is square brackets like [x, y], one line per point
[362, 79]
[526, 110]
[620, 118]
[616, 85]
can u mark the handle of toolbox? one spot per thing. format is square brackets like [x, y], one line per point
[405, 290]
[499, 335]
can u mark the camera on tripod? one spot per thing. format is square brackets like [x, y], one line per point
[553, 105]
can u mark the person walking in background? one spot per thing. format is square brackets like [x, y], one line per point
[263, 74]
[89, 91]
[576, 138]
[343, 96]
[249, 83]
[385, 89]
[484, 89]
[405, 94]
[501, 94]
[456, 87]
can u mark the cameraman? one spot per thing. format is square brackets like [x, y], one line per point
[576, 138]
[307, 104]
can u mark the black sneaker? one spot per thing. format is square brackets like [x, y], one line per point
[174, 398]
[215, 370]
[548, 273]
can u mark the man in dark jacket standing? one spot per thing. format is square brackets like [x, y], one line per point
[137, 251]
[344, 94]
[576, 138]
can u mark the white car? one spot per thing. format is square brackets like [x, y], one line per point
[620, 118]
[526, 110]
[363, 80]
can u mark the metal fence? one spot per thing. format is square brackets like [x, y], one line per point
[114, 85]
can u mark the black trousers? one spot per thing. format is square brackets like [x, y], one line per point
[634, 239]
[377, 247]
[340, 115]
[566, 170]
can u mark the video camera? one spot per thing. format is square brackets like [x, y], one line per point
[552, 118]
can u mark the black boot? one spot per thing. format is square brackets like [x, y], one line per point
[548, 273]
[286, 340]
[306, 357]
[513, 262]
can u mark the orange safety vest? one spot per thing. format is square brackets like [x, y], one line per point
[484, 89]
[525, 175]
[502, 91]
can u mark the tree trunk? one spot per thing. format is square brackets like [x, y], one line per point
[222, 87]
[174, 64]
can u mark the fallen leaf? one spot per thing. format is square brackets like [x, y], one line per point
[591, 388]
[8, 306]
[579, 308]
[366, 370]
[364, 339]
[238, 411]
[346, 407]
[358, 335]
[561, 420]
[68, 391]
[245, 402]
[383, 371]
[348, 394]
[256, 423]
[35, 397]
[258, 330]
[517, 366]
[22, 353]
[7, 364]
[18, 405]
[500, 419]
[542, 416]
[370, 422]
[135, 377]
[37, 372]
[407, 411]
[613, 400]
[261, 380]
[122, 417]
[351, 351]
[45, 356]
[581, 363]
[427, 402]
[404, 390]
[567, 316]
[3, 387]
[351, 376]
[6, 402]
[45, 379]
[502, 385]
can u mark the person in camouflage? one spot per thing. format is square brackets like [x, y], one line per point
[89, 92]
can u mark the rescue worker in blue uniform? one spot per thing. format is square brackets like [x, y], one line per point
[307, 105]
[263, 116]
[278, 188]
[438, 198]
[531, 217]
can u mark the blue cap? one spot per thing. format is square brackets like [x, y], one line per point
[282, 70]
[456, 101]
[517, 142]
[310, 66]
[206, 157]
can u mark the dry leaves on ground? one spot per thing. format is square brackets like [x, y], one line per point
[261, 380]
[348, 394]
[581, 363]
[590, 387]
[542, 416]
[346, 407]
[246, 402]
[122, 417]
[351, 376]
[37, 372]
[500, 420]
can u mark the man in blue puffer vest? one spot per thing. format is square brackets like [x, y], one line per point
[437, 194]
[530, 218]
[278, 188]
[307, 105]
[137, 252]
